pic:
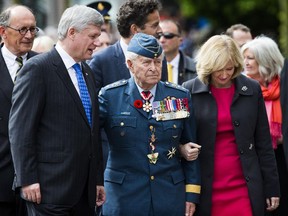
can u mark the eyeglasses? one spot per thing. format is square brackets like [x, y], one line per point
[167, 35]
[24, 30]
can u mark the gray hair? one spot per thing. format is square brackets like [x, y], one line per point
[5, 16]
[133, 56]
[78, 17]
[267, 55]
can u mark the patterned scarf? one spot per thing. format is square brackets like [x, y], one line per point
[272, 93]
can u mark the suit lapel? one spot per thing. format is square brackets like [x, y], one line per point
[6, 83]
[62, 72]
[122, 69]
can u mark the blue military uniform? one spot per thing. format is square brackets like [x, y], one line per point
[134, 185]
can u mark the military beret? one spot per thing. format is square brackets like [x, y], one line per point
[102, 7]
[145, 45]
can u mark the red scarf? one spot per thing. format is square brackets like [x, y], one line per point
[272, 93]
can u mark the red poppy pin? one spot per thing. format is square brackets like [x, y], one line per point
[138, 104]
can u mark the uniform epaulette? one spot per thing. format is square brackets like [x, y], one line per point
[116, 84]
[175, 86]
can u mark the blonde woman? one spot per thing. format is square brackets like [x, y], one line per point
[238, 167]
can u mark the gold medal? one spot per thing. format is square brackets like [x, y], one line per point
[153, 157]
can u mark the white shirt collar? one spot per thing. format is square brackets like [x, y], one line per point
[10, 58]
[124, 46]
[66, 58]
[175, 61]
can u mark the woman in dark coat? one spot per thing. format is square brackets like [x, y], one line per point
[238, 167]
[263, 62]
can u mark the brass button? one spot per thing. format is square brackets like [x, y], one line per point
[122, 124]
[150, 127]
[174, 126]
[152, 178]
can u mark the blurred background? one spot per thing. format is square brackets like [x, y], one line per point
[199, 18]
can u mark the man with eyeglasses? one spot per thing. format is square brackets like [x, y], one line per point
[180, 66]
[17, 30]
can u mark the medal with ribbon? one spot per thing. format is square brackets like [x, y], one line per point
[146, 95]
[170, 108]
[153, 157]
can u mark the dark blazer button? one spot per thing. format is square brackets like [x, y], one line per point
[236, 123]
[247, 178]
[1, 118]
[241, 151]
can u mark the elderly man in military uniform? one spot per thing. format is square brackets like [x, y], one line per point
[146, 120]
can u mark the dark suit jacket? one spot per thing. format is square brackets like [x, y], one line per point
[109, 66]
[6, 165]
[253, 141]
[284, 107]
[51, 140]
[186, 68]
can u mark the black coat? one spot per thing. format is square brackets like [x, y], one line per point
[284, 107]
[253, 141]
[6, 165]
[186, 68]
[51, 140]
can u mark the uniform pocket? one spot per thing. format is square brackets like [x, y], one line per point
[119, 128]
[114, 176]
[178, 176]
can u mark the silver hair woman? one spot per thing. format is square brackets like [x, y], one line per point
[264, 52]
[263, 62]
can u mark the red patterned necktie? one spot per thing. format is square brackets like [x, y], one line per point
[146, 95]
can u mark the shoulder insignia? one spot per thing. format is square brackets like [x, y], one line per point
[116, 84]
[175, 86]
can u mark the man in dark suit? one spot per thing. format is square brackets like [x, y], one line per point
[134, 16]
[182, 67]
[53, 124]
[145, 174]
[18, 30]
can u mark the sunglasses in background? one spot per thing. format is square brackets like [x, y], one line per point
[166, 35]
